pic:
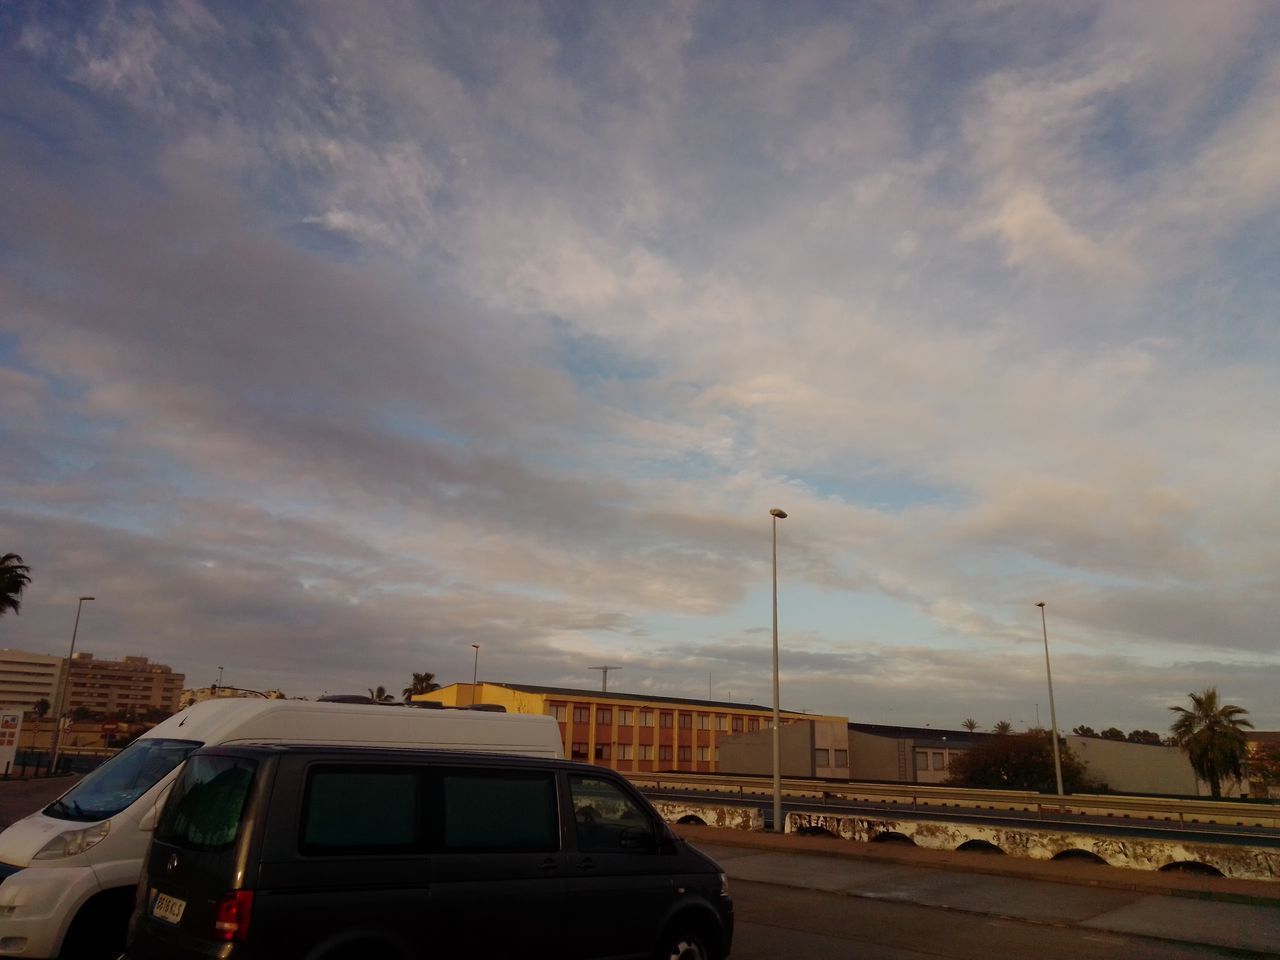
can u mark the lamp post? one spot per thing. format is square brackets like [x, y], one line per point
[1053, 714]
[778, 825]
[64, 691]
[475, 670]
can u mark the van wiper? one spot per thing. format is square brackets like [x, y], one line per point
[73, 811]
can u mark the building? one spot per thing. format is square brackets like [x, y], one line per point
[810, 747]
[631, 733]
[129, 686]
[1144, 768]
[885, 753]
[28, 678]
[215, 692]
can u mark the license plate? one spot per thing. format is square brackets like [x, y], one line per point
[167, 908]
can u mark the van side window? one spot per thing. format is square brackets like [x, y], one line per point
[608, 820]
[507, 811]
[356, 811]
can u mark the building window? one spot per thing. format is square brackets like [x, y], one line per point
[721, 723]
[602, 751]
[686, 754]
[664, 718]
[646, 718]
[737, 724]
[646, 751]
[704, 721]
[624, 716]
[704, 753]
[938, 763]
[753, 725]
[604, 716]
[579, 752]
[625, 751]
[559, 711]
[664, 753]
[842, 758]
[822, 757]
[581, 714]
[922, 759]
[686, 721]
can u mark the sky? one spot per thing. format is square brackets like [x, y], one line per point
[336, 338]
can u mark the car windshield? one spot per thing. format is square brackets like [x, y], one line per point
[121, 780]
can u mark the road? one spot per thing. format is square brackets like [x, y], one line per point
[21, 797]
[776, 922]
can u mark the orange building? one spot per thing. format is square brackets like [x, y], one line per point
[627, 732]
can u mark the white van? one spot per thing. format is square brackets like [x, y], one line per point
[68, 872]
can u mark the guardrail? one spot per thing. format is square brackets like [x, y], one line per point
[919, 796]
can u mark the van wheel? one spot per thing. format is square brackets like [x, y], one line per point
[686, 940]
[98, 930]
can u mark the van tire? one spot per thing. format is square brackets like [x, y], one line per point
[98, 931]
[687, 938]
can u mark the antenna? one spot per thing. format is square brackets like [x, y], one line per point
[604, 678]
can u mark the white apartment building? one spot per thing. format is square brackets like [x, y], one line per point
[26, 678]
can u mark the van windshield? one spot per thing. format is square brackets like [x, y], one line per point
[121, 780]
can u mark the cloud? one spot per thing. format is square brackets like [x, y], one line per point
[361, 336]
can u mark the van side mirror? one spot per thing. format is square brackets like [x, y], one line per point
[152, 816]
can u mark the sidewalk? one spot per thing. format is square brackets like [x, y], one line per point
[1212, 911]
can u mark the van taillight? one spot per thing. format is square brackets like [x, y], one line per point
[232, 922]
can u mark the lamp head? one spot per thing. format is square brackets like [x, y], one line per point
[88, 598]
[780, 514]
[1040, 604]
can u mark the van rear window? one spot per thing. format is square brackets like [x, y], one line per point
[204, 811]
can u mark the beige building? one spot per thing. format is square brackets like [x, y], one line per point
[201, 694]
[28, 678]
[131, 685]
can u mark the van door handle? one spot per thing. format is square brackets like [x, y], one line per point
[586, 863]
[548, 864]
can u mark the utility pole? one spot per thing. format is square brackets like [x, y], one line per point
[604, 676]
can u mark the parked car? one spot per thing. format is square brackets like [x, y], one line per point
[70, 871]
[338, 853]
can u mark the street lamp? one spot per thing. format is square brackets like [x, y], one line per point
[778, 825]
[475, 669]
[1053, 714]
[64, 690]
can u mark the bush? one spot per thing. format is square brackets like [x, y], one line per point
[1022, 761]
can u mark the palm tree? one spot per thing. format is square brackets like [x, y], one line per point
[421, 683]
[970, 724]
[1002, 726]
[380, 695]
[14, 578]
[1212, 737]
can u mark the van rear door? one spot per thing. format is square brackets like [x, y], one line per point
[194, 861]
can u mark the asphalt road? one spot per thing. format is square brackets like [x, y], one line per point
[776, 922]
[21, 797]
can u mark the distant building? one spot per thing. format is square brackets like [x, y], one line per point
[28, 678]
[637, 733]
[132, 685]
[201, 694]
[887, 753]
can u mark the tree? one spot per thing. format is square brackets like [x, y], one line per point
[421, 683]
[970, 724]
[15, 576]
[1264, 768]
[1143, 736]
[380, 695]
[1002, 727]
[1112, 733]
[1020, 761]
[1212, 737]
[1083, 731]
[40, 708]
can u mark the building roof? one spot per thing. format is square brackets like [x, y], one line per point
[637, 697]
[919, 733]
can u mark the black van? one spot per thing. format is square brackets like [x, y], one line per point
[338, 853]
